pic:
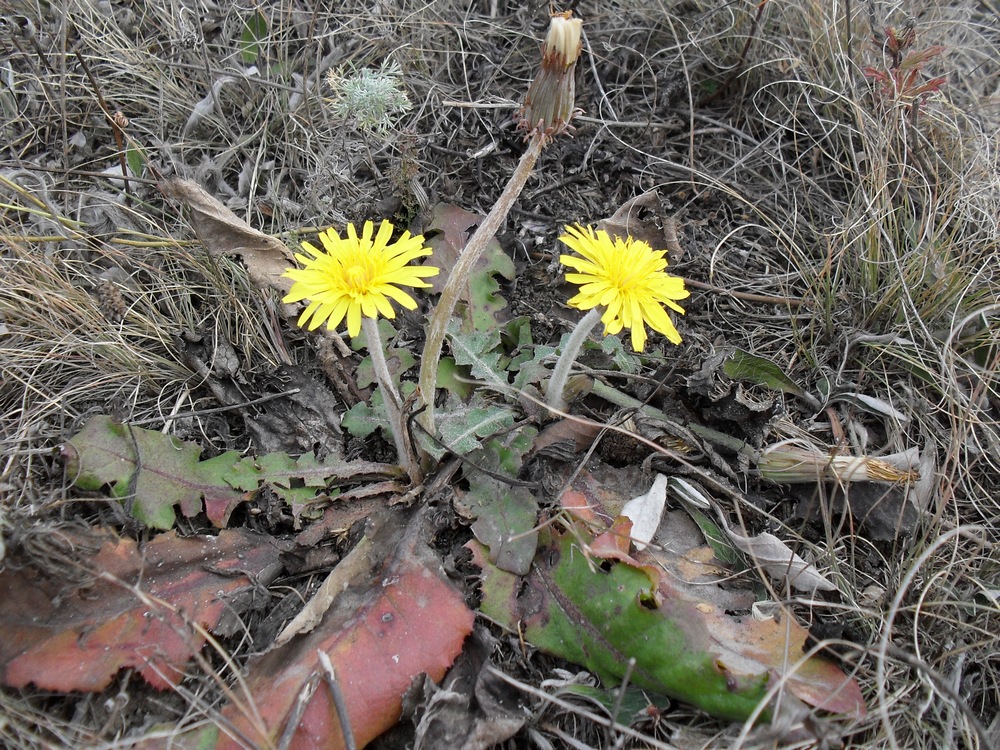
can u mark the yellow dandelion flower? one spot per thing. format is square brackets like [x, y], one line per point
[627, 279]
[356, 276]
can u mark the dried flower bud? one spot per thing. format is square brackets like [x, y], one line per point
[549, 105]
[562, 43]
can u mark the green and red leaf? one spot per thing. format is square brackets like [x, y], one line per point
[147, 608]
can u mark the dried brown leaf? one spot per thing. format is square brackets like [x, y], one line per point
[223, 233]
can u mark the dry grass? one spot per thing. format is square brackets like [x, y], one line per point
[788, 176]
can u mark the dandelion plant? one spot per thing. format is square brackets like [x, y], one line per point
[623, 284]
[355, 278]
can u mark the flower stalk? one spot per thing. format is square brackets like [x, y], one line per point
[547, 111]
[557, 383]
[390, 397]
[456, 285]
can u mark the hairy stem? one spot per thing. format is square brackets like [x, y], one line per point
[459, 277]
[390, 396]
[557, 383]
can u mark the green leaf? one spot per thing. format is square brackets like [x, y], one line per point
[151, 472]
[462, 426]
[480, 350]
[631, 706]
[516, 334]
[484, 291]
[535, 369]
[741, 365]
[386, 331]
[624, 360]
[362, 419]
[398, 360]
[717, 540]
[135, 157]
[664, 610]
[449, 373]
[254, 31]
[525, 358]
[297, 480]
[505, 520]
[569, 607]
[506, 452]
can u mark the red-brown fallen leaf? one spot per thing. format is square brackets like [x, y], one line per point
[137, 613]
[614, 544]
[398, 619]
[577, 504]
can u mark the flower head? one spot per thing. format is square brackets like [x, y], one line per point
[626, 277]
[354, 276]
[549, 104]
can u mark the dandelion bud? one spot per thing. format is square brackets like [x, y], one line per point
[562, 43]
[549, 105]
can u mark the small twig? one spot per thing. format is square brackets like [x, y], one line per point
[567, 706]
[618, 701]
[298, 711]
[116, 120]
[605, 101]
[738, 69]
[214, 409]
[748, 296]
[88, 173]
[330, 677]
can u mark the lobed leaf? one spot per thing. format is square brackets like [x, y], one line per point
[448, 232]
[140, 611]
[151, 472]
[505, 521]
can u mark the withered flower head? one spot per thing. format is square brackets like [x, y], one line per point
[562, 43]
[552, 95]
